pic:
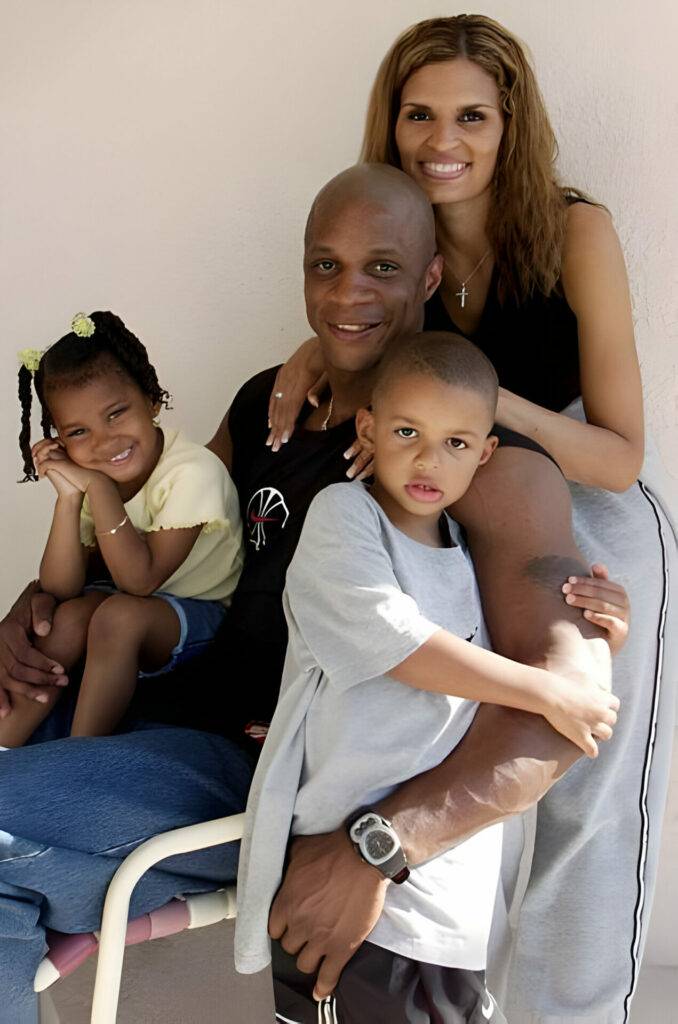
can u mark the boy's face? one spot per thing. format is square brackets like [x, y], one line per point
[365, 281]
[428, 439]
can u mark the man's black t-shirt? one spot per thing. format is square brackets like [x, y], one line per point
[238, 680]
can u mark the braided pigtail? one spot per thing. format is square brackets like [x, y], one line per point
[26, 400]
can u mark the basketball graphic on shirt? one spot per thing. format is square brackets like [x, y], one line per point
[266, 511]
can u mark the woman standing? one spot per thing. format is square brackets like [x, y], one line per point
[534, 275]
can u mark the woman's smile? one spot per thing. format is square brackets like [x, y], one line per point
[449, 129]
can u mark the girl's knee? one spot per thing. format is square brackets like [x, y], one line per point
[66, 639]
[119, 618]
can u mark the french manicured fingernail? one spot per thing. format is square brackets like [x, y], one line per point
[566, 588]
[269, 441]
[42, 628]
[588, 614]
[350, 472]
[573, 579]
[570, 598]
[313, 400]
[285, 438]
[348, 453]
[62, 682]
[41, 698]
[269, 424]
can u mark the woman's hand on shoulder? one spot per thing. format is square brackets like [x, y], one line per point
[362, 461]
[300, 378]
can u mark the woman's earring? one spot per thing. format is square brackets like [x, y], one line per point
[156, 421]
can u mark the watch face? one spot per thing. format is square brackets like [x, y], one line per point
[379, 845]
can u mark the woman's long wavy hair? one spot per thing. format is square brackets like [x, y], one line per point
[528, 211]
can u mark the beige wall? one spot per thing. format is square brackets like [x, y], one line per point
[159, 156]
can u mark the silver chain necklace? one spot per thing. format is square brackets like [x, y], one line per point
[323, 425]
[461, 295]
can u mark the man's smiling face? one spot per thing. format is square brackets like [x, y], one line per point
[366, 277]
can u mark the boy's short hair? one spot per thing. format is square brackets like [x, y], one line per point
[444, 356]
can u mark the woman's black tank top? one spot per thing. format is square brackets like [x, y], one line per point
[533, 346]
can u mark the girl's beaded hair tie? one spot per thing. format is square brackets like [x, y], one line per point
[82, 325]
[30, 359]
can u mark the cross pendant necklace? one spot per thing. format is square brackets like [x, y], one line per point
[461, 295]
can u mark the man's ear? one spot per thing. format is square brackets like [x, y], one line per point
[490, 444]
[434, 275]
[364, 428]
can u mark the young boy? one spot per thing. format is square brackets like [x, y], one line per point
[385, 658]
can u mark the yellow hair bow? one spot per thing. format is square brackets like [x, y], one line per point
[30, 358]
[83, 325]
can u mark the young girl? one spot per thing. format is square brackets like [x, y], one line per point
[158, 514]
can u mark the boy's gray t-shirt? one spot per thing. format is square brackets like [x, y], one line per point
[361, 596]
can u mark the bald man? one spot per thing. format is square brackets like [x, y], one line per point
[369, 266]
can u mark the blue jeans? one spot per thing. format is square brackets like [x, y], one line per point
[72, 809]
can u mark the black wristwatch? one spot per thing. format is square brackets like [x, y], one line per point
[377, 842]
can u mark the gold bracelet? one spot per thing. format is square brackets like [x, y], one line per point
[107, 533]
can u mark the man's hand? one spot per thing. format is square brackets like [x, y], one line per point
[23, 669]
[327, 905]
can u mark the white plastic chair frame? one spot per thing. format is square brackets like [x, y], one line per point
[116, 907]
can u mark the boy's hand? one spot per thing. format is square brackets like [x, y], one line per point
[581, 710]
[605, 604]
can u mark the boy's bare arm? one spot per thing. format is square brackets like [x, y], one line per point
[578, 708]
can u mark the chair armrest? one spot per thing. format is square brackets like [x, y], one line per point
[116, 907]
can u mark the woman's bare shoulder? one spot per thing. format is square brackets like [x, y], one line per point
[593, 262]
[587, 226]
